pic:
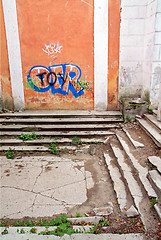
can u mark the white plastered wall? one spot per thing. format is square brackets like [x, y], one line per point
[140, 48]
[100, 54]
[13, 44]
[132, 31]
[156, 60]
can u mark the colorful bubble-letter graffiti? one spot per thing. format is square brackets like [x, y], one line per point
[57, 78]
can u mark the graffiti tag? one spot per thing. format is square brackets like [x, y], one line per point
[57, 78]
[52, 49]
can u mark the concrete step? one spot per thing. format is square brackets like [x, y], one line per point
[87, 134]
[58, 127]
[126, 170]
[156, 161]
[15, 142]
[151, 131]
[118, 184]
[155, 179]
[140, 170]
[153, 120]
[83, 235]
[41, 148]
[61, 114]
[55, 121]
[136, 144]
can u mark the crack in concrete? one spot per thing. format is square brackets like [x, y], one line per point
[37, 177]
[63, 186]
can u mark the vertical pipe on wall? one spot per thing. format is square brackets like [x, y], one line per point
[14, 54]
[100, 54]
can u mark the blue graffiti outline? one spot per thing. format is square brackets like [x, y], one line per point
[60, 81]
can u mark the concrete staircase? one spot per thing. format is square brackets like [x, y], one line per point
[134, 184]
[152, 127]
[57, 126]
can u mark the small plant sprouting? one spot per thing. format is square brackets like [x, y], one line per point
[33, 230]
[5, 231]
[104, 222]
[54, 149]
[150, 110]
[22, 231]
[78, 215]
[10, 153]
[76, 141]
[153, 202]
[26, 137]
[128, 118]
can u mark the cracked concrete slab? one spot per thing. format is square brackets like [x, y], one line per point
[42, 186]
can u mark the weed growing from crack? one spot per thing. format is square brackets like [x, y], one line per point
[22, 231]
[76, 141]
[54, 149]
[33, 230]
[153, 202]
[26, 137]
[5, 231]
[10, 153]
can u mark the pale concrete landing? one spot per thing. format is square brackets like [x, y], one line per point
[42, 186]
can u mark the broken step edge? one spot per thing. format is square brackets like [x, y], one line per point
[155, 179]
[131, 182]
[136, 144]
[136, 166]
[116, 179]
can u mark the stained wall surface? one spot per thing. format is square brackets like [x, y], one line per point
[56, 41]
[5, 82]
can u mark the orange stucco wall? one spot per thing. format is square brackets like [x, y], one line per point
[113, 52]
[4, 66]
[57, 33]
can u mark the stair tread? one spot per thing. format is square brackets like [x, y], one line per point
[133, 185]
[59, 120]
[119, 185]
[48, 113]
[156, 178]
[60, 133]
[151, 131]
[37, 148]
[40, 126]
[142, 171]
[49, 140]
[136, 144]
[153, 120]
[156, 161]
